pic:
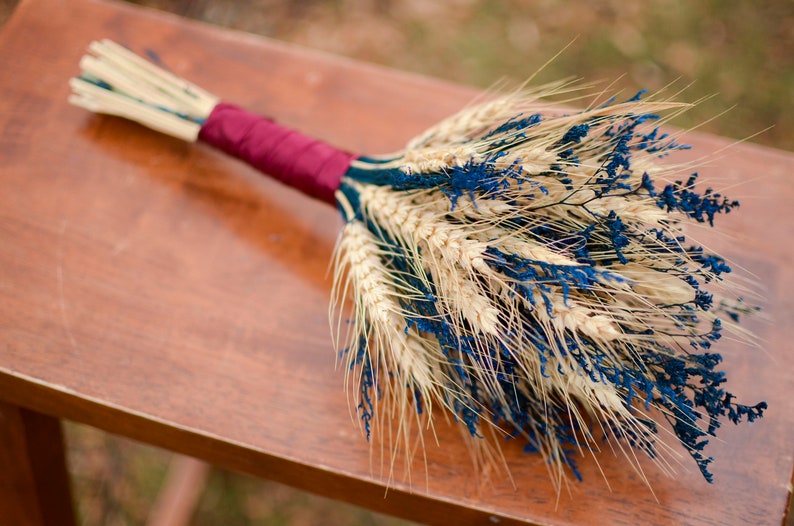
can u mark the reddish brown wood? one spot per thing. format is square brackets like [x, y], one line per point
[34, 483]
[180, 493]
[167, 293]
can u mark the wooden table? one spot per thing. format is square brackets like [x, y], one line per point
[164, 292]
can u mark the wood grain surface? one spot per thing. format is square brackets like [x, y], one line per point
[164, 292]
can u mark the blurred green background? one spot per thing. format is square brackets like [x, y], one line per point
[739, 55]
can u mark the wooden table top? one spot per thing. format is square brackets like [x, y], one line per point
[167, 293]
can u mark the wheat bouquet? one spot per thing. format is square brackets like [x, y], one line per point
[524, 272]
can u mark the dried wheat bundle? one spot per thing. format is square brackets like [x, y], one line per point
[525, 272]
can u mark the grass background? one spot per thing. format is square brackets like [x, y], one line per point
[739, 55]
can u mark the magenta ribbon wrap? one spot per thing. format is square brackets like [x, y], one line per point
[311, 166]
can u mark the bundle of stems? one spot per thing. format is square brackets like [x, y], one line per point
[525, 272]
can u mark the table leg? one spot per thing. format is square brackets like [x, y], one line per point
[34, 483]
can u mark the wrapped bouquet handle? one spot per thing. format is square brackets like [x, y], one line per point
[304, 163]
[524, 271]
